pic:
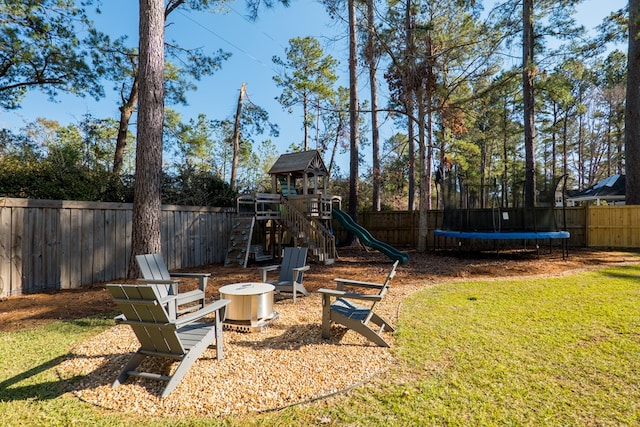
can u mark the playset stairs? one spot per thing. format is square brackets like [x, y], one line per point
[307, 232]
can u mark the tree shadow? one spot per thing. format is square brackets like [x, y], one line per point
[11, 390]
[100, 375]
[624, 272]
[295, 337]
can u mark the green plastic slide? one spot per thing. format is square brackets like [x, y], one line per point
[367, 239]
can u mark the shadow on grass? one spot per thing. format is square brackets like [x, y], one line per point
[624, 272]
[10, 390]
[26, 385]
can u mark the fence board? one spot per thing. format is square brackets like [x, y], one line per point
[16, 233]
[123, 248]
[52, 247]
[33, 240]
[192, 254]
[109, 243]
[64, 247]
[99, 245]
[5, 252]
[75, 249]
[87, 245]
[170, 242]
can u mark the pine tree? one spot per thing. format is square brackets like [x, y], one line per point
[632, 110]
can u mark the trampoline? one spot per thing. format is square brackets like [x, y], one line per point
[503, 235]
[474, 213]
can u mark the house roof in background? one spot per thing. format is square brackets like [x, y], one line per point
[611, 188]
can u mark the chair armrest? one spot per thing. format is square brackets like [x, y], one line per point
[202, 278]
[298, 272]
[157, 281]
[190, 274]
[331, 292]
[206, 310]
[360, 284]
[263, 271]
[349, 295]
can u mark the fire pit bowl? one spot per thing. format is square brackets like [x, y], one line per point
[250, 302]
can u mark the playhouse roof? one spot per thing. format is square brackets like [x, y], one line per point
[300, 163]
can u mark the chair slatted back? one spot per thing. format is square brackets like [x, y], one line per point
[383, 290]
[152, 266]
[387, 281]
[366, 309]
[147, 317]
[292, 258]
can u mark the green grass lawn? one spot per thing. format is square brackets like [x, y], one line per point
[531, 352]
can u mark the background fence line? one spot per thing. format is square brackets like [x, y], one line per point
[400, 228]
[49, 244]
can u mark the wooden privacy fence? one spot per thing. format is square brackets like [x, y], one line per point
[613, 226]
[47, 244]
[590, 226]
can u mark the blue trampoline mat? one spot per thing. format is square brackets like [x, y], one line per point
[503, 235]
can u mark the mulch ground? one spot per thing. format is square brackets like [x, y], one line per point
[422, 268]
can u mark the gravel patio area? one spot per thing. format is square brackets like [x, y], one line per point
[284, 364]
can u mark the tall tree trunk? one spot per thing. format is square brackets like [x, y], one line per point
[334, 149]
[411, 168]
[429, 97]
[409, 104]
[305, 113]
[236, 138]
[505, 154]
[632, 109]
[353, 116]
[145, 236]
[428, 168]
[610, 113]
[126, 111]
[565, 153]
[554, 143]
[528, 71]
[422, 162]
[373, 84]
[483, 173]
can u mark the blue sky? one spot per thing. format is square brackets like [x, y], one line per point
[252, 45]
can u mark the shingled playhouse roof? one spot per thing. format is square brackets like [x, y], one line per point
[299, 163]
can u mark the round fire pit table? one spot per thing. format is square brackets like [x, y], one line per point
[251, 306]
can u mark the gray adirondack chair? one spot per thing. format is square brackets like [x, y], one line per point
[355, 310]
[292, 270]
[154, 272]
[184, 340]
